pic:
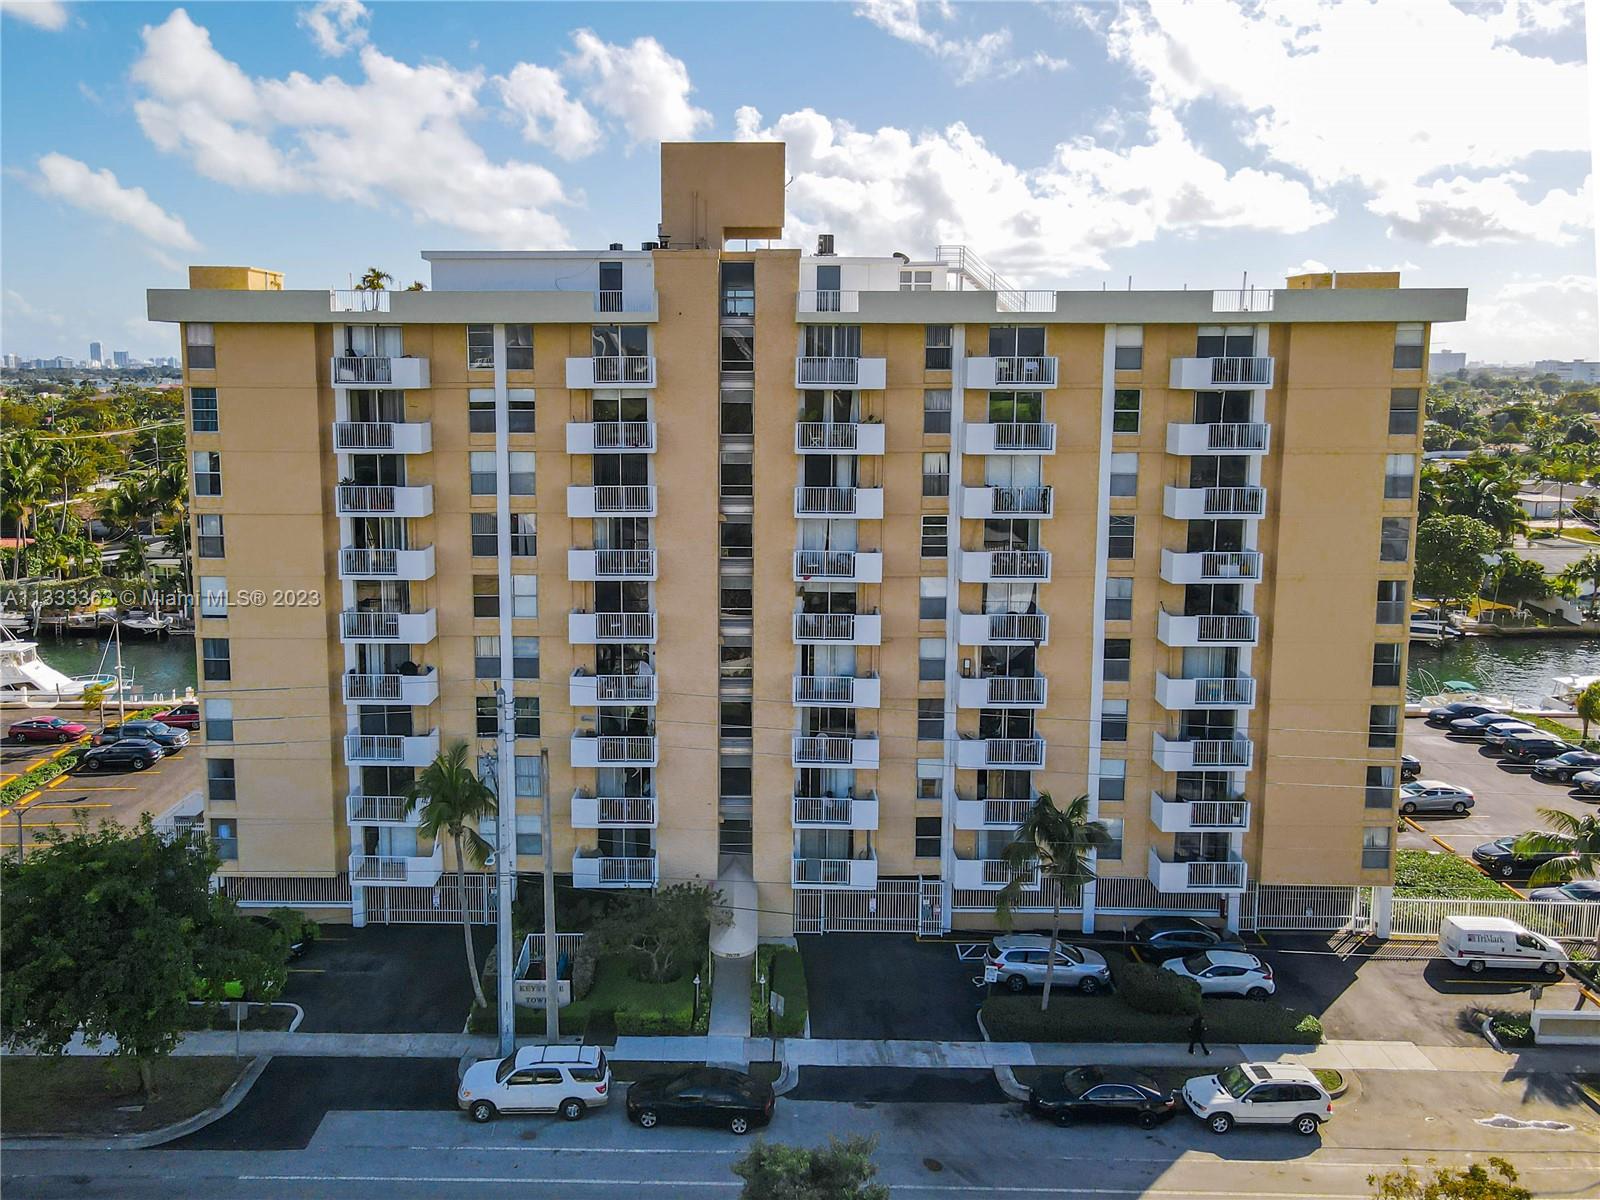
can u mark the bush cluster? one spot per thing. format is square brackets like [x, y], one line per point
[1147, 988]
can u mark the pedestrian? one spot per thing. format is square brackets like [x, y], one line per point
[1197, 1034]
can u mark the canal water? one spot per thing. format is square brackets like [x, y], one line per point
[1521, 669]
[164, 666]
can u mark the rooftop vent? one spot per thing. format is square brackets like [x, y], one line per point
[614, 246]
[824, 244]
[649, 245]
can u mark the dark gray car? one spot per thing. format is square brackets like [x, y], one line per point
[169, 739]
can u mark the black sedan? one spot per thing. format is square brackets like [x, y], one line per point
[137, 753]
[702, 1096]
[1167, 937]
[1410, 766]
[1498, 858]
[1441, 717]
[1534, 749]
[1567, 764]
[169, 739]
[1090, 1094]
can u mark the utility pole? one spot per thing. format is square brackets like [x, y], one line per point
[505, 849]
[552, 1009]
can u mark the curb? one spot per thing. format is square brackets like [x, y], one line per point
[1488, 1033]
[1005, 1077]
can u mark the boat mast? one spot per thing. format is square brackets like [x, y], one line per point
[122, 690]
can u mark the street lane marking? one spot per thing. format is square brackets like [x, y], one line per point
[573, 1150]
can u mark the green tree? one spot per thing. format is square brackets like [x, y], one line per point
[1494, 1179]
[1450, 556]
[25, 484]
[662, 931]
[1056, 841]
[95, 694]
[1587, 706]
[1517, 580]
[1575, 841]
[375, 279]
[1573, 576]
[841, 1170]
[1475, 489]
[454, 801]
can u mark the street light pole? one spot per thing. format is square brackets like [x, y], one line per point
[504, 868]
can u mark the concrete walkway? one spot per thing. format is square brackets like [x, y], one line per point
[730, 997]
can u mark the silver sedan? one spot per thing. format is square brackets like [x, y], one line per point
[1433, 795]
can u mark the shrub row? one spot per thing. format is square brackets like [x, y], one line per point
[1148, 988]
[1074, 1018]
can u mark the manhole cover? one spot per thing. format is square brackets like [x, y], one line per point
[933, 1164]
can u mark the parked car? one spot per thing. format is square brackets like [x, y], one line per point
[569, 1080]
[1476, 727]
[1091, 1094]
[1498, 858]
[1456, 710]
[1225, 973]
[1434, 795]
[1496, 736]
[1532, 748]
[137, 753]
[46, 729]
[1410, 766]
[1588, 782]
[702, 1096]
[1021, 959]
[169, 739]
[184, 716]
[1259, 1094]
[1585, 891]
[1163, 937]
[1566, 764]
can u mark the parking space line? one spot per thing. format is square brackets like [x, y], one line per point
[74, 804]
[1133, 950]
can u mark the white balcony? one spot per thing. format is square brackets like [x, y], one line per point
[1237, 691]
[1002, 691]
[614, 750]
[593, 870]
[1211, 566]
[371, 563]
[393, 870]
[989, 874]
[991, 814]
[1010, 437]
[1002, 629]
[590, 437]
[838, 437]
[612, 812]
[975, 754]
[611, 564]
[836, 812]
[845, 629]
[361, 809]
[1026, 373]
[865, 504]
[836, 691]
[1252, 438]
[1202, 754]
[382, 437]
[986, 566]
[828, 300]
[383, 500]
[859, 872]
[630, 371]
[858, 753]
[981, 502]
[838, 566]
[591, 691]
[391, 750]
[863, 374]
[1204, 374]
[415, 690]
[1201, 503]
[1198, 816]
[378, 371]
[1233, 629]
[366, 625]
[1175, 878]
[608, 500]
[616, 300]
[592, 629]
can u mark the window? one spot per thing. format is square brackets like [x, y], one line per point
[1115, 659]
[214, 662]
[480, 347]
[936, 474]
[486, 658]
[929, 837]
[1383, 726]
[481, 464]
[525, 597]
[1112, 850]
[935, 537]
[219, 719]
[736, 720]
[488, 716]
[738, 288]
[1386, 664]
[930, 720]
[1113, 720]
[1404, 407]
[1113, 781]
[519, 410]
[207, 473]
[738, 351]
[525, 716]
[1407, 347]
[1375, 848]
[1380, 787]
[486, 595]
[484, 540]
[916, 281]
[530, 842]
[1125, 410]
[1119, 598]
[480, 410]
[738, 411]
[208, 530]
[525, 658]
[225, 838]
[1124, 475]
[1399, 476]
[203, 409]
[213, 596]
[736, 602]
[521, 474]
[524, 542]
[936, 410]
[736, 537]
[529, 779]
[736, 659]
[1129, 353]
[1391, 601]
[936, 348]
[519, 347]
[930, 659]
[930, 778]
[220, 783]
[1395, 543]
[1119, 539]
[931, 598]
[199, 340]
[737, 476]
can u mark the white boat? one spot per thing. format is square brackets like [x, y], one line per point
[1565, 688]
[1426, 629]
[137, 620]
[25, 678]
[16, 621]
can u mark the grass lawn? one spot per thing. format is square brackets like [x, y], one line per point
[640, 1007]
[1107, 1019]
[1444, 876]
[786, 975]
[80, 1096]
[1570, 733]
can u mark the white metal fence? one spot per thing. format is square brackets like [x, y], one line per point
[894, 906]
[1566, 920]
[436, 905]
[303, 891]
[1312, 908]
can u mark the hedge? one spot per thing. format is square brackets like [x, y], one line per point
[1148, 988]
[35, 779]
[1427, 873]
[786, 974]
[1074, 1018]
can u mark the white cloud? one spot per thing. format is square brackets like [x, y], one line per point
[1472, 212]
[99, 192]
[1529, 319]
[549, 116]
[42, 14]
[985, 57]
[874, 189]
[640, 85]
[336, 25]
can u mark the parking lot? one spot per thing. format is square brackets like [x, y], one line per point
[864, 985]
[386, 979]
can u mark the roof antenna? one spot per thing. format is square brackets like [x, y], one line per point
[1130, 283]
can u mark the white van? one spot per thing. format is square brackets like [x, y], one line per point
[1479, 943]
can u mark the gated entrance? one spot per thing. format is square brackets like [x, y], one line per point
[895, 906]
[1313, 908]
[439, 904]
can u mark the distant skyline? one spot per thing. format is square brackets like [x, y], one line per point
[1071, 145]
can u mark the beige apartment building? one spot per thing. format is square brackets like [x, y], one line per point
[810, 569]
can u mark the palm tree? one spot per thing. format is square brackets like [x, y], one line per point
[71, 466]
[1575, 841]
[375, 280]
[25, 480]
[1587, 706]
[1585, 570]
[454, 801]
[1056, 842]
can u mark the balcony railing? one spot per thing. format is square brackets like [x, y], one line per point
[416, 689]
[847, 566]
[859, 872]
[385, 563]
[407, 750]
[846, 691]
[864, 503]
[977, 753]
[611, 564]
[1210, 566]
[586, 629]
[835, 750]
[1198, 816]
[1189, 754]
[991, 814]
[838, 437]
[588, 690]
[606, 812]
[378, 499]
[1011, 371]
[1188, 504]
[1228, 438]
[370, 625]
[1020, 501]
[840, 371]
[361, 809]
[590, 869]
[1229, 372]
[385, 437]
[1002, 691]
[623, 750]
[609, 499]
[829, 300]
[860, 629]
[1238, 691]
[1238, 629]
[379, 370]
[589, 437]
[1198, 875]
[1018, 437]
[630, 368]
[396, 870]
[992, 873]
[840, 812]
[1000, 629]
[980, 566]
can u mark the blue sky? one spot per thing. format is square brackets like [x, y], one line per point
[1072, 145]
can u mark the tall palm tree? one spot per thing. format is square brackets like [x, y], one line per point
[374, 280]
[71, 467]
[25, 482]
[1587, 706]
[1576, 841]
[454, 800]
[1056, 841]
[1584, 570]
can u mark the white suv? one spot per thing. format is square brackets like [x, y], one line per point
[1225, 973]
[569, 1080]
[1020, 959]
[1259, 1094]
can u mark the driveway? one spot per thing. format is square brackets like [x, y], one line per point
[386, 979]
[875, 986]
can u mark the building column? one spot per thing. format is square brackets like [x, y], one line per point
[1097, 687]
[1235, 902]
[1382, 911]
[952, 621]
